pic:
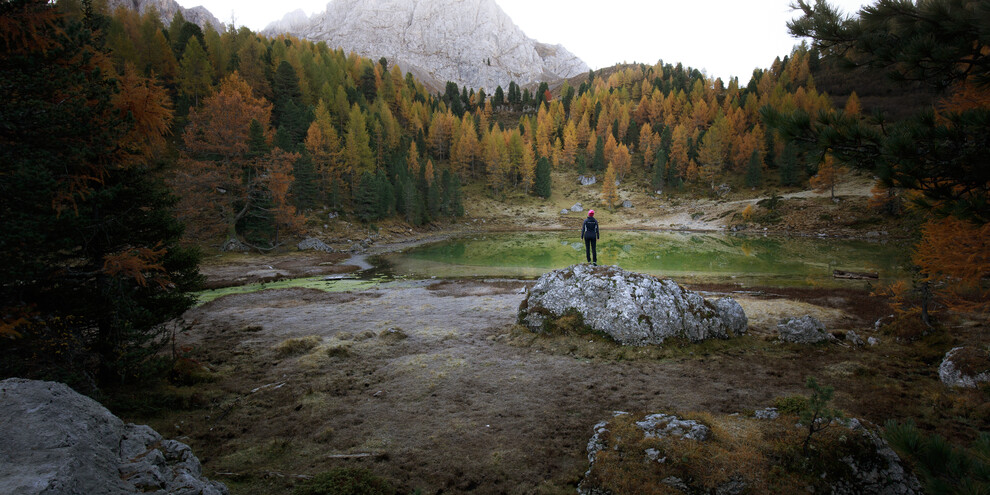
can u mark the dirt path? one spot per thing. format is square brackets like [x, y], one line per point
[429, 384]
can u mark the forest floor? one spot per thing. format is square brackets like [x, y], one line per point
[432, 385]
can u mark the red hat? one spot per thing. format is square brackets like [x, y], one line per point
[591, 213]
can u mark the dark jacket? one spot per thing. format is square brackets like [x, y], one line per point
[590, 229]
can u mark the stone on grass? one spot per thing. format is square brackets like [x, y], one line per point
[631, 308]
[965, 367]
[803, 330]
[587, 181]
[314, 244]
[57, 441]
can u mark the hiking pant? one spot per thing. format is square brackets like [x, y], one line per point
[590, 249]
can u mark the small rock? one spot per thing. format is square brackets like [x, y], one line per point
[564, 211]
[853, 338]
[627, 204]
[873, 341]
[587, 181]
[768, 413]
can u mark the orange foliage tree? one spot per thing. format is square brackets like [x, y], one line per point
[954, 258]
[228, 175]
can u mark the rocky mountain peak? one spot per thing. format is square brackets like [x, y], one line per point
[471, 42]
[166, 11]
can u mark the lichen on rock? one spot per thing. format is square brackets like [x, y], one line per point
[631, 308]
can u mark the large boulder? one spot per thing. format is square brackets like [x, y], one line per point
[632, 452]
[803, 330]
[56, 441]
[632, 308]
[965, 367]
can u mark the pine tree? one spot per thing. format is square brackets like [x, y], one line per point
[385, 194]
[195, 71]
[543, 182]
[598, 162]
[754, 170]
[92, 260]
[289, 114]
[366, 202]
[659, 170]
[787, 165]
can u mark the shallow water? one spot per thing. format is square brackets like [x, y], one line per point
[691, 257]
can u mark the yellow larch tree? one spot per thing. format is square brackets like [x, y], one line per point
[610, 193]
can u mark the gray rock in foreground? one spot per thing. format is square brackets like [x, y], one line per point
[57, 441]
[803, 330]
[879, 471]
[632, 308]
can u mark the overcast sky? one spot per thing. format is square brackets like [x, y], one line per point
[721, 37]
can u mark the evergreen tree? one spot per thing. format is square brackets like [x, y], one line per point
[306, 191]
[939, 43]
[754, 170]
[659, 170]
[195, 71]
[411, 198]
[385, 194]
[289, 114]
[787, 165]
[456, 207]
[434, 204]
[499, 99]
[366, 202]
[598, 162]
[542, 184]
[91, 262]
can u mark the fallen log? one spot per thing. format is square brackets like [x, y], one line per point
[855, 275]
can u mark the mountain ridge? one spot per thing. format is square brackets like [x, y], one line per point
[473, 43]
[198, 15]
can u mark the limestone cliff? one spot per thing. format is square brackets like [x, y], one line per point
[471, 42]
[167, 9]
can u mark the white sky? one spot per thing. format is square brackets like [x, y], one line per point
[723, 38]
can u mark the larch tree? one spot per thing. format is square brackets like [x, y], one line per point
[829, 175]
[610, 193]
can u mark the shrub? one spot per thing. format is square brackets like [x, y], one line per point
[940, 466]
[345, 481]
[296, 346]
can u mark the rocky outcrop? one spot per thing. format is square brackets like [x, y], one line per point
[312, 243]
[965, 367]
[166, 11]
[631, 308]
[471, 42]
[58, 441]
[664, 449]
[803, 330]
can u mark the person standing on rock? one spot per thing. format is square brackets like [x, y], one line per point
[590, 234]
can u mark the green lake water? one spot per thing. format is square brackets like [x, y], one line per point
[769, 261]
[691, 257]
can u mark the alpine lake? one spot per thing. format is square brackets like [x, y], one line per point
[687, 257]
